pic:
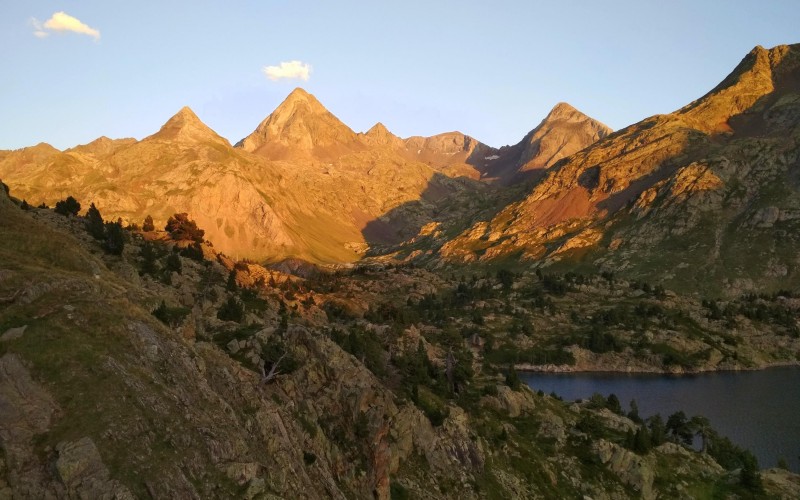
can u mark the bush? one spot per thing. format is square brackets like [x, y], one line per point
[231, 310]
[193, 251]
[181, 228]
[512, 379]
[67, 207]
[170, 316]
[398, 492]
[174, 263]
[148, 255]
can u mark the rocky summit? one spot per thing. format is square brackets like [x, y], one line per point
[320, 313]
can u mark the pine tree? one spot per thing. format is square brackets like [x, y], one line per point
[148, 255]
[633, 414]
[641, 440]
[115, 238]
[613, 404]
[148, 224]
[94, 223]
[232, 286]
[749, 477]
[174, 263]
[658, 433]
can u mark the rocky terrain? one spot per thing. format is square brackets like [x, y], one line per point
[302, 185]
[160, 372]
[671, 198]
[319, 313]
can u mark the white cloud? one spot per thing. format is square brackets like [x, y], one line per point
[291, 70]
[62, 22]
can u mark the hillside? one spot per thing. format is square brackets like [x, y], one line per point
[106, 393]
[705, 198]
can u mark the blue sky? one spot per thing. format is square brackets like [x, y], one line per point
[489, 69]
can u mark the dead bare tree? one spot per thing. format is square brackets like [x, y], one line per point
[273, 371]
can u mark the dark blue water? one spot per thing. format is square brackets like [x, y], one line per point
[758, 410]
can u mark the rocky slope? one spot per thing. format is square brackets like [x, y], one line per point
[302, 185]
[563, 132]
[670, 198]
[100, 399]
[249, 206]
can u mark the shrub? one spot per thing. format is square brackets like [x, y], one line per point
[180, 228]
[174, 263]
[171, 316]
[398, 492]
[231, 310]
[512, 379]
[193, 251]
[149, 256]
[68, 207]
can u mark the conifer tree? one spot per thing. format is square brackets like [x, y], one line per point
[114, 238]
[148, 224]
[94, 223]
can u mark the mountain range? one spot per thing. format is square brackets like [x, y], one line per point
[150, 364]
[667, 198]
[302, 185]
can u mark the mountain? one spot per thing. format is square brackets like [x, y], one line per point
[563, 132]
[186, 128]
[302, 185]
[248, 204]
[705, 197]
[301, 125]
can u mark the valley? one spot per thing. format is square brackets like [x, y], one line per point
[319, 313]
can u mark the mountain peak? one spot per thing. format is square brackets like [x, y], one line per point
[378, 129]
[760, 73]
[379, 135]
[299, 93]
[185, 126]
[300, 101]
[562, 108]
[299, 123]
[564, 131]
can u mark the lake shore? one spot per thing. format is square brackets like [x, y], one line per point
[676, 370]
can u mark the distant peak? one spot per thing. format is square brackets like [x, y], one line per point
[185, 124]
[185, 113]
[378, 129]
[297, 97]
[299, 92]
[300, 123]
[561, 110]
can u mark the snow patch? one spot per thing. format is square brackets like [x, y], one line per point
[493, 157]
